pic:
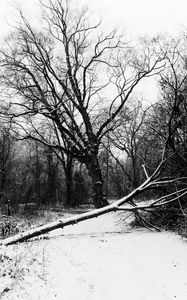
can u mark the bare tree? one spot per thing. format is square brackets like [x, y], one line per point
[172, 109]
[64, 73]
[50, 136]
[130, 137]
[6, 158]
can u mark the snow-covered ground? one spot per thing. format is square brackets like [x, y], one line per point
[99, 259]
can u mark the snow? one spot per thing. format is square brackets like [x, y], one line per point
[96, 260]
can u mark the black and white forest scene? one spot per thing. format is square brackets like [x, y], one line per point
[93, 150]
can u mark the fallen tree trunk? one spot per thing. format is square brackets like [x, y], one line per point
[72, 220]
[55, 225]
[151, 181]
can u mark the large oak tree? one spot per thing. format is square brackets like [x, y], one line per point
[67, 72]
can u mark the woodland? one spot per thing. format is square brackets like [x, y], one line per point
[74, 132]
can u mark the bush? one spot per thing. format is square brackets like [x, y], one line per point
[8, 226]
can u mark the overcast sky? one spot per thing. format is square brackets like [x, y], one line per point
[136, 17]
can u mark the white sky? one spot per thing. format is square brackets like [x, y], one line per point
[136, 17]
[143, 16]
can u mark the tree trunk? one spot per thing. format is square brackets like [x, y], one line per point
[21, 237]
[69, 180]
[68, 191]
[97, 181]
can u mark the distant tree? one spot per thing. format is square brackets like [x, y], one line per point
[6, 160]
[129, 138]
[79, 191]
[169, 115]
[52, 175]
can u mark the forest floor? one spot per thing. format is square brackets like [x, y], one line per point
[99, 259]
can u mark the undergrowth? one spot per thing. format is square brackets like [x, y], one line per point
[173, 218]
[18, 264]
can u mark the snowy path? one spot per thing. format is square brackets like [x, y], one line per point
[100, 260]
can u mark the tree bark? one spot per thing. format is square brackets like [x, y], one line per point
[97, 181]
[55, 225]
[69, 180]
[68, 191]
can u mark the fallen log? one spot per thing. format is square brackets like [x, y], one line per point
[54, 225]
[68, 221]
[116, 206]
